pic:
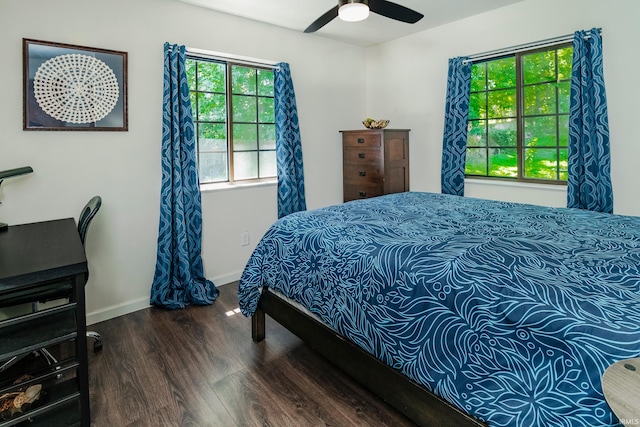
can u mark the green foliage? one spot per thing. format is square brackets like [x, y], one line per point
[503, 133]
[477, 133]
[265, 83]
[501, 74]
[492, 138]
[502, 103]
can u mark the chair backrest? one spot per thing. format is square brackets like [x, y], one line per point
[88, 212]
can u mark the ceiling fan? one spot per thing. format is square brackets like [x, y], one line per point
[358, 10]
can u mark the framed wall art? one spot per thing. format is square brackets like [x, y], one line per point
[69, 87]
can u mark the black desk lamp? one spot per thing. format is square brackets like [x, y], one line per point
[10, 173]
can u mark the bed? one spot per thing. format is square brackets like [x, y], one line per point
[458, 311]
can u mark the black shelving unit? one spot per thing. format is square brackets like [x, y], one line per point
[36, 259]
[23, 335]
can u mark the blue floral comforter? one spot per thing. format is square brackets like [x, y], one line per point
[511, 312]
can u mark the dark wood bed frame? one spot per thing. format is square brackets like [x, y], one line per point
[413, 400]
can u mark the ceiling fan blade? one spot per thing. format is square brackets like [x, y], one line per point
[323, 20]
[395, 11]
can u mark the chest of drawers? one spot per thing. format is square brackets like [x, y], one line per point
[375, 162]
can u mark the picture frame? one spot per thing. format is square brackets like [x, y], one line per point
[73, 88]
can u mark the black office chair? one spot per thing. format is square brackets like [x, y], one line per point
[88, 212]
[56, 290]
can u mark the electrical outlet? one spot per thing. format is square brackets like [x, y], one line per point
[244, 238]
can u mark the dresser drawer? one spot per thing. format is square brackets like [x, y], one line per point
[361, 156]
[364, 173]
[355, 190]
[367, 140]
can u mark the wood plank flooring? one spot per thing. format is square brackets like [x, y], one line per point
[199, 367]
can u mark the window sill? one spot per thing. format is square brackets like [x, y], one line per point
[225, 186]
[515, 184]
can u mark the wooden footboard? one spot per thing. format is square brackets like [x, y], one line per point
[407, 396]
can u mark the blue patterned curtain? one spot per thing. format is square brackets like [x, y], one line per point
[179, 276]
[454, 142]
[288, 146]
[589, 181]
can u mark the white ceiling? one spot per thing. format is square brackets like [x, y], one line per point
[299, 14]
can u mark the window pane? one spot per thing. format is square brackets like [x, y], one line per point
[502, 73]
[503, 162]
[191, 73]
[212, 137]
[211, 77]
[540, 163]
[564, 97]
[539, 67]
[478, 77]
[478, 105]
[563, 131]
[564, 164]
[244, 109]
[540, 99]
[211, 107]
[266, 110]
[503, 133]
[245, 137]
[194, 109]
[476, 163]
[267, 164]
[565, 63]
[265, 83]
[477, 134]
[267, 134]
[540, 131]
[245, 165]
[502, 103]
[243, 80]
[213, 167]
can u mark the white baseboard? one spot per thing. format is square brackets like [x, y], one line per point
[117, 310]
[142, 303]
[227, 278]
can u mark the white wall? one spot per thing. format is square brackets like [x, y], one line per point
[124, 167]
[406, 82]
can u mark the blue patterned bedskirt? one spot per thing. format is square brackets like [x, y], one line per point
[511, 312]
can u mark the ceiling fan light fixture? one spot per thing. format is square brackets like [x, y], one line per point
[353, 12]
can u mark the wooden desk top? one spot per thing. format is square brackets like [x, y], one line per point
[40, 252]
[621, 386]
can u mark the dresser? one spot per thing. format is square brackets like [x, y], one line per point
[374, 162]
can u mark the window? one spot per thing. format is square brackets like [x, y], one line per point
[519, 116]
[233, 112]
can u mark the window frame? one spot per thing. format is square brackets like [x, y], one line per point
[228, 64]
[520, 117]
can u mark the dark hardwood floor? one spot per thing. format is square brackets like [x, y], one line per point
[199, 367]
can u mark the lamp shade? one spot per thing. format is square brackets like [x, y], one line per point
[352, 12]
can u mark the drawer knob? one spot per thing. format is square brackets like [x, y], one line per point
[363, 193]
[360, 140]
[362, 173]
[361, 155]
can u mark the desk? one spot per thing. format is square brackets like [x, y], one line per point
[33, 256]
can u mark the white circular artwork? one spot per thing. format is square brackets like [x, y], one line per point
[76, 88]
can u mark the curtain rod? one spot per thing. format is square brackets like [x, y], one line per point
[521, 47]
[242, 60]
